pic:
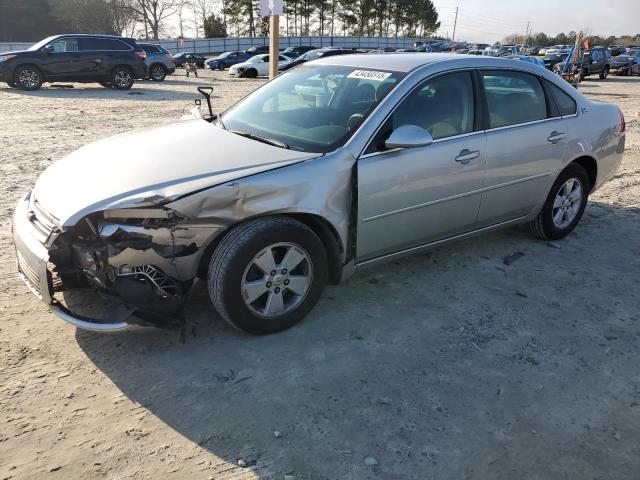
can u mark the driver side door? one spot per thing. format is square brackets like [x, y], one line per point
[408, 197]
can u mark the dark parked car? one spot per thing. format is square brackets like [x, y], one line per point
[299, 49]
[553, 59]
[597, 61]
[109, 60]
[226, 60]
[179, 59]
[314, 54]
[617, 50]
[628, 63]
[159, 61]
[257, 49]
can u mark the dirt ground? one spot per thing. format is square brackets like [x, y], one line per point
[445, 365]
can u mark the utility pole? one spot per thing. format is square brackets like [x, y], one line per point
[455, 22]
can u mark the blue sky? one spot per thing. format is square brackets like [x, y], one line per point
[491, 20]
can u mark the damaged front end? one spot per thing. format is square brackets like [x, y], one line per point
[143, 262]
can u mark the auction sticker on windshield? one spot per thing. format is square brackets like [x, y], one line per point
[369, 75]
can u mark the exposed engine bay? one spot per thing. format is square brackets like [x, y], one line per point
[144, 257]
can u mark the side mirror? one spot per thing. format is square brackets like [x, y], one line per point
[408, 136]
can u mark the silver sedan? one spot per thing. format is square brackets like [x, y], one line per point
[338, 165]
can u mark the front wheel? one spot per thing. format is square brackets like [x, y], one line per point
[267, 274]
[564, 206]
[28, 77]
[221, 66]
[122, 78]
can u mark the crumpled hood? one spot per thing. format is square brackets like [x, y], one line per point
[152, 166]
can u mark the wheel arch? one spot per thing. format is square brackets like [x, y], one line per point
[591, 166]
[28, 64]
[321, 227]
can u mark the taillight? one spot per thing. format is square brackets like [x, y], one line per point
[142, 54]
[623, 124]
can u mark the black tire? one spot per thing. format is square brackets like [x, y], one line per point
[232, 259]
[122, 78]
[543, 225]
[106, 84]
[157, 72]
[28, 77]
[251, 73]
[221, 66]
[604, 73]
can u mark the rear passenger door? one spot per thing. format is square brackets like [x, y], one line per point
[526, 145]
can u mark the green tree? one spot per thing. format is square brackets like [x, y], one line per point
[214, 27]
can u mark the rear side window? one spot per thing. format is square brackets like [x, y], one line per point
[513, 98]
[102, 44]
[150, 49]
[566, 104]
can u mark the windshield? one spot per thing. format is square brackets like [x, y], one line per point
[256, 58]
[41, 43]
[314, 108]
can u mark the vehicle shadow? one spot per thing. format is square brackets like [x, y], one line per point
[439, 364]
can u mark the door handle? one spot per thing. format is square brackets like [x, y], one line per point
[466, 156]
[555, 137]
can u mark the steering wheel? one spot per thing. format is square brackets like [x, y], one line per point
[353, 121]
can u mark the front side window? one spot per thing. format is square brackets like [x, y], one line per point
[314, 108]
[443, 106]
[65, 45]
[513, 98]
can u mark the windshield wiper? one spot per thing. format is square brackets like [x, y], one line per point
[270, 141]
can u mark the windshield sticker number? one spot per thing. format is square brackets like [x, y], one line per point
[369, 75]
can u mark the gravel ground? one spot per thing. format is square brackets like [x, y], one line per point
[450, 364]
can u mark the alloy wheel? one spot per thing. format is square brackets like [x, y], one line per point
[122, 78]
[157, 72]
[277, 280]
[28, 78]
[567, 203]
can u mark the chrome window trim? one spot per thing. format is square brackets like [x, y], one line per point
[455, 197]
[439, 140]
[525, 124]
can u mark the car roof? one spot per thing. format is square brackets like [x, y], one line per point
[406, 62]
[91, 35]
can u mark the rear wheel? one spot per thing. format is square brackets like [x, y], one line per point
[251, 73]
[267, 274]
[221, 66]
[604, 73]
[28, 77]
[564, 206]
[157, 72]
[122, 78]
